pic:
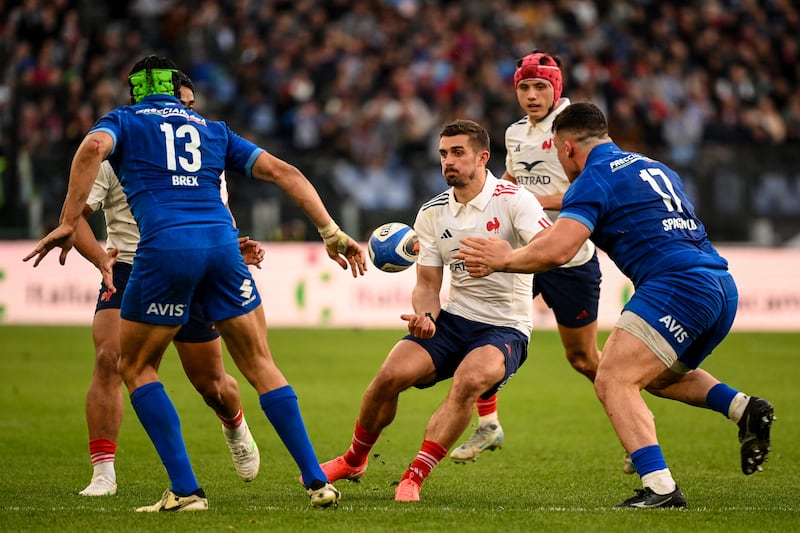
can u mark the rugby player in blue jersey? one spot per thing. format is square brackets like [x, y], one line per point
[197, 342]
[169, 160]
[684, 303]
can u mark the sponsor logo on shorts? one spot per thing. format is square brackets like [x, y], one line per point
[160, 309]
[674, 328]
[246, 291]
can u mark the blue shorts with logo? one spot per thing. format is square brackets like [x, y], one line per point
[456, 337]
[198, 329]
[572, 293]
[163, 282]
[692, 310]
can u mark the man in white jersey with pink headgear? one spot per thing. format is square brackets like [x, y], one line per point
[572, 291]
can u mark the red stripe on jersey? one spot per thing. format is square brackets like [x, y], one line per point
[544, 222]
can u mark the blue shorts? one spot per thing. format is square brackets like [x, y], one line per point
[198, 329]
[163, 282]
[693, 310]
[456, 337]
[572, 293]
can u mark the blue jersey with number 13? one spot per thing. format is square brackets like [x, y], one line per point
[169, 160]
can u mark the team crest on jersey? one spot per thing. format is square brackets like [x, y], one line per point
[547, 145]
[493, 225]
[518, 148]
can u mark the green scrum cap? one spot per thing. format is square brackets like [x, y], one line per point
[152, 81]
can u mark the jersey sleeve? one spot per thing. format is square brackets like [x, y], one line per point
[241, 153]
[429, 254]
[529, 216]
[584, 201]
[110, 124]
[100, 187]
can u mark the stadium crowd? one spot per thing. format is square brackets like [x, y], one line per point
[354, 91]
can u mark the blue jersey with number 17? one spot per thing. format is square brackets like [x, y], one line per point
[639, 214]
[169, 160]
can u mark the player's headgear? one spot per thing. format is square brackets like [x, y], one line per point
[153, 75]
[538, 65]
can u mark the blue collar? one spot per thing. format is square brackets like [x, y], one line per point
[602, 149]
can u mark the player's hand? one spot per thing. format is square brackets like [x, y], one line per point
[252, 252]
[63, 237]
[341, 244]
[106, 267]
[420, 325]
[483, 256]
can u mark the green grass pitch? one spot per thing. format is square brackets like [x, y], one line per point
[558, 471]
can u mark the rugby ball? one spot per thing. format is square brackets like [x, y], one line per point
[393, 247]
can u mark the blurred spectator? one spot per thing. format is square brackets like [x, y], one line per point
[360, 87]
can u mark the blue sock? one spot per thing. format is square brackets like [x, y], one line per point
[280, 406]
[720, 397]
[160, 420]
[648, 459]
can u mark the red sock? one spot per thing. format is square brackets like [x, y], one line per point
[102, 450]
[232, 423]
[487, 406]
[360, 447]
[428, 457]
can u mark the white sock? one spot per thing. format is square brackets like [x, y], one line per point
[491, 418]
[106, 468]
[737, 406]
[660, 481]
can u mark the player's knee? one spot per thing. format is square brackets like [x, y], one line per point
[584, 361]
[106, 362]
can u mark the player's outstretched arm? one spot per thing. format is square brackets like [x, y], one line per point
[548, 250]
[426, 302]
[85, 166]
[297, 187]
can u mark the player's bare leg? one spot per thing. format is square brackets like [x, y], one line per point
[246, 339]
[626, 368]
[406, 365]
[580, 347]
[141, 349]
[202, 362]
[104, 404]
[480, 370]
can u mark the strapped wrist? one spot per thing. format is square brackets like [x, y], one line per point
[328, 230]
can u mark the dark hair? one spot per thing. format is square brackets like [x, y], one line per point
[478, 136]
[582, 118]
[153, 75]
[185, 81]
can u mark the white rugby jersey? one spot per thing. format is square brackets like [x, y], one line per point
[123, 233]
[503, 210]
[532, 159]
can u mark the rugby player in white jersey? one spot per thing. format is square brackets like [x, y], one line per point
[572, 291]
[479, 336]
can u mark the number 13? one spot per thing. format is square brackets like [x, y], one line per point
[190, 147]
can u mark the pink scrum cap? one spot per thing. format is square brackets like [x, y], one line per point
[540, 66]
